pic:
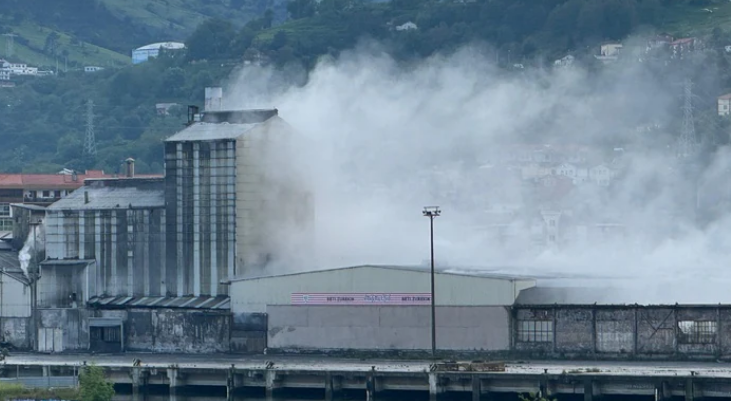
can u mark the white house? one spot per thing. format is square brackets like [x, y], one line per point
[601, 174]
[566, 170]
[5, 75]
[21, 69]
[610, 49]
[407, 26]
[724, 105]
[91, 68]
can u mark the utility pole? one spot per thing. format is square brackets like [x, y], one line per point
[90, 138]
[688, 148]
[35, 275]
[432, 212]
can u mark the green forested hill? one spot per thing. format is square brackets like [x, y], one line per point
[104, 32]
[42, 120]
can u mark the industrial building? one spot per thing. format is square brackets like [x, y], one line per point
[235, 203]
[381, 308]
[185, 263]
[142, 263]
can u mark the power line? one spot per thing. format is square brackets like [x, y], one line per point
[687, 142]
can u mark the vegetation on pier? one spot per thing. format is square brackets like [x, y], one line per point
[94, 386]
[18, 391]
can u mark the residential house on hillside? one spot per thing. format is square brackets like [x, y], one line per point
[4, 75]
[684, 46]
[91, 68]
[724, 105]
[659, 41]
[163, 109]
[609, 52]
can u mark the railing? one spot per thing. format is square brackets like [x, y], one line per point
[43, 381]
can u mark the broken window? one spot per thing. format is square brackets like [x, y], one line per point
[535, 331]
[697, 332]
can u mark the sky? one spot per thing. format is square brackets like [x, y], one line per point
[381, 140]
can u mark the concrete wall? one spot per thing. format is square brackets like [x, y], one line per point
[663, 332]
[387, 327]
[249, 332]
[274, 207]
[16, 332]
[168, 330]
[73, 323]
[253, 295]
[200, 211]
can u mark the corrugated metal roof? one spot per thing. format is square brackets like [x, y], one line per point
[10, 265]
[211, 132]
[190, 302]
[112, 197]
[471, 272]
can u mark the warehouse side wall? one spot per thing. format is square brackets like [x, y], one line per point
[481, 328]
[632, 332]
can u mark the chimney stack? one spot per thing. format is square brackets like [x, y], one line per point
[129, 171]
[214, 99]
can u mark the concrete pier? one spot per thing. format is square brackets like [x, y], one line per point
[273, 375]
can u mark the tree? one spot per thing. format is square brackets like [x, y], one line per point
[211, 40]
[301, 8]
[93, 385]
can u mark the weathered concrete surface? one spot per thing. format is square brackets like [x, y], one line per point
[16, 331]
[72, 322]
[387, 327]
[168, 330]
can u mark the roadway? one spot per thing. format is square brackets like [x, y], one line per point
[320, 363]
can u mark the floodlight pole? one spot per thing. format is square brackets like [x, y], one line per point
[432, 212]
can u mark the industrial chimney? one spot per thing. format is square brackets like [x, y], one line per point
[214, 99]
[129, 170]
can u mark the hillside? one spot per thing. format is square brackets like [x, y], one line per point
[104, 32]
[42, 128]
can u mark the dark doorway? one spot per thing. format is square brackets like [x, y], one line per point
[106, 335]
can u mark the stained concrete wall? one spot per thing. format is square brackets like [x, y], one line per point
[388, 327]
[16, 332]
[662, 332]
[72, 322]
[168, 330]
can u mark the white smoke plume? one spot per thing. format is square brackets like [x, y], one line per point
[386, 139]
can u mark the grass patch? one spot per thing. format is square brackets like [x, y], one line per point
[82, 52]
[687, 20]
[12, 390]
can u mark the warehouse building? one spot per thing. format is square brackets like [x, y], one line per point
[381, 308]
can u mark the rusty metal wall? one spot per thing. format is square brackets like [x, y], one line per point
[663, 332]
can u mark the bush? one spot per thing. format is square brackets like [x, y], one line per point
[93, 386]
